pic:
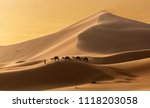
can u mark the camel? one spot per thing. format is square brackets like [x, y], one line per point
[77, 58]
[56, 58]
[66, 58]
[85, 59]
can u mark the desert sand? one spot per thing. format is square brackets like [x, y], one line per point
[117, 48]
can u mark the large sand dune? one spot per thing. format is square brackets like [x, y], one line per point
[51, 76]
[118, 50]
[115, 34]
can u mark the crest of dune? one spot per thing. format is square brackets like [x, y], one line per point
[113, 34]
[118, 50]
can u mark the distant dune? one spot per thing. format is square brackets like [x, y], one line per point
[115, 34]
[122, 57]
[117, 49]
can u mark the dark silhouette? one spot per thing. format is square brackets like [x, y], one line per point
[85, 59]
[77, 58]
[66, 58]
[44, 61]
[56, 58]
[20, 61]
[93, 82]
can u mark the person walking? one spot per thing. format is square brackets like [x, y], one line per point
[44, 61]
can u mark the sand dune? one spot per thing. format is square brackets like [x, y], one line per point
[121, 57]
[115, 34]
[28, 63]
[51, 76]
[46, 44]
[118, 50]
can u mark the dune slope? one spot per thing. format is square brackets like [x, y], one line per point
[115, 34]
[117, 49]
[51, 76]
[121, 57]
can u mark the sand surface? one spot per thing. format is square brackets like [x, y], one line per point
[117, 48]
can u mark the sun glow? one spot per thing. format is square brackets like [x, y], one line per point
[22, 20]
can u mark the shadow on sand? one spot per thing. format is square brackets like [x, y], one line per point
[50, 76]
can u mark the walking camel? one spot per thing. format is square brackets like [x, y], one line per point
[66, 58]
[85, 59]
[56, 58]
[77, 58]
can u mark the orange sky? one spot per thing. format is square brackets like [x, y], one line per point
[22, 20]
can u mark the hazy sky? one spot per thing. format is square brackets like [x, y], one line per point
[26, 19]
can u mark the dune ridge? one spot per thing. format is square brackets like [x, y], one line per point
[122, 57]
[118, 50]
[115, 34]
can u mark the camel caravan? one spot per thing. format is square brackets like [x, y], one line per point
[67, 58]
